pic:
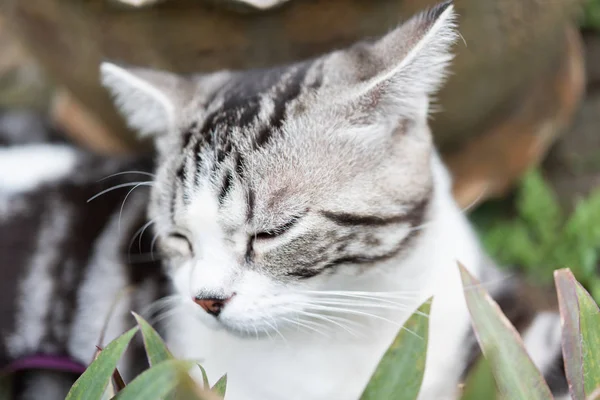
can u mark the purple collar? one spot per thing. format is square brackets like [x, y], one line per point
[48, 362]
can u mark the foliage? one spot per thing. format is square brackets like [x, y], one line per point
[514, 372]
[166, 377]
[541, 237]
[591, 16]
[400, 372]
[399, 375]
[581, 329]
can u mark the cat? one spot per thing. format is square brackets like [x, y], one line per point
[301, 214]
[305, 206]
[65, 261]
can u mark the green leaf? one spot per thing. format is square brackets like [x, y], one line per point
[581, 335]
[538, 205]
[156, 350]
[205, 383]
[515, 374]
[158, 381]
[480, 383]
[93, 382]
[591, 18]
[221, 385]
[400, 372]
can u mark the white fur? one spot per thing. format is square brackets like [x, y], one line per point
[146, 107]
[24, 168]
[36, 289]
[543, 334]
[305, 365]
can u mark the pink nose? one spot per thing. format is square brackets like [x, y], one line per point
[212, 305]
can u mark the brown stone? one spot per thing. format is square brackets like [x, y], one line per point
[573, 165]
[82, 126]
[507, 43]
[489, 164]
[22, 82]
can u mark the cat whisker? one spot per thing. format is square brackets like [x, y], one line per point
[122, 185]
[363, 294]
[143, 258]
[139, 232]
[277, 330]
[127, 172]
[488, 284]
[161, 304]
[142, 233]
[393, 306]
[162, 316]
[357, 312]
[304, 324]
[328, 319]
[266, 331]
[463, 210]
[124, 201]
[156, 235]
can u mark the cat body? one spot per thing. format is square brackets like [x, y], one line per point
[305, 214]
[71, 270]
[301, 214]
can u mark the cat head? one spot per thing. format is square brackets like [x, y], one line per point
[274, 186]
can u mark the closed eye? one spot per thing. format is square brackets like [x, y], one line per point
[177, 244]
[280, 230]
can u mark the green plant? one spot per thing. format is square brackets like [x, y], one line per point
[166, 377]
[591, 16]
[540, 237]
[400, 372]
[506, 367]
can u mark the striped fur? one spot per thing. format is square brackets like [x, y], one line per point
[66, 261]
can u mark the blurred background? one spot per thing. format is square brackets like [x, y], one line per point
[519, 119]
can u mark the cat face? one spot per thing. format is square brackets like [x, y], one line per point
[275, 185]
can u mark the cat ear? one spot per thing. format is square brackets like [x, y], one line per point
[395, 75]
[148, 100]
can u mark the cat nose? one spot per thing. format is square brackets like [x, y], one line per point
[212, 305]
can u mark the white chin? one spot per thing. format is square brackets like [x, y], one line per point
[247, 329]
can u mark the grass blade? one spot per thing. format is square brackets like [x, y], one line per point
[221, 385]
[480, 383]
[516, 375]
[580, 318]
[400, 372]
[156, 349]
[205, 383]
[158, 381]
[571, 344]
[93, 382]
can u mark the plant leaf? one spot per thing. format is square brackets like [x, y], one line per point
[480, 383]
[158, 381]
[538, 205]
[400, 372]
[93, 382]
[516, 375]
[156, 350]
[205, 383]
[580, 319]
[221, 385]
